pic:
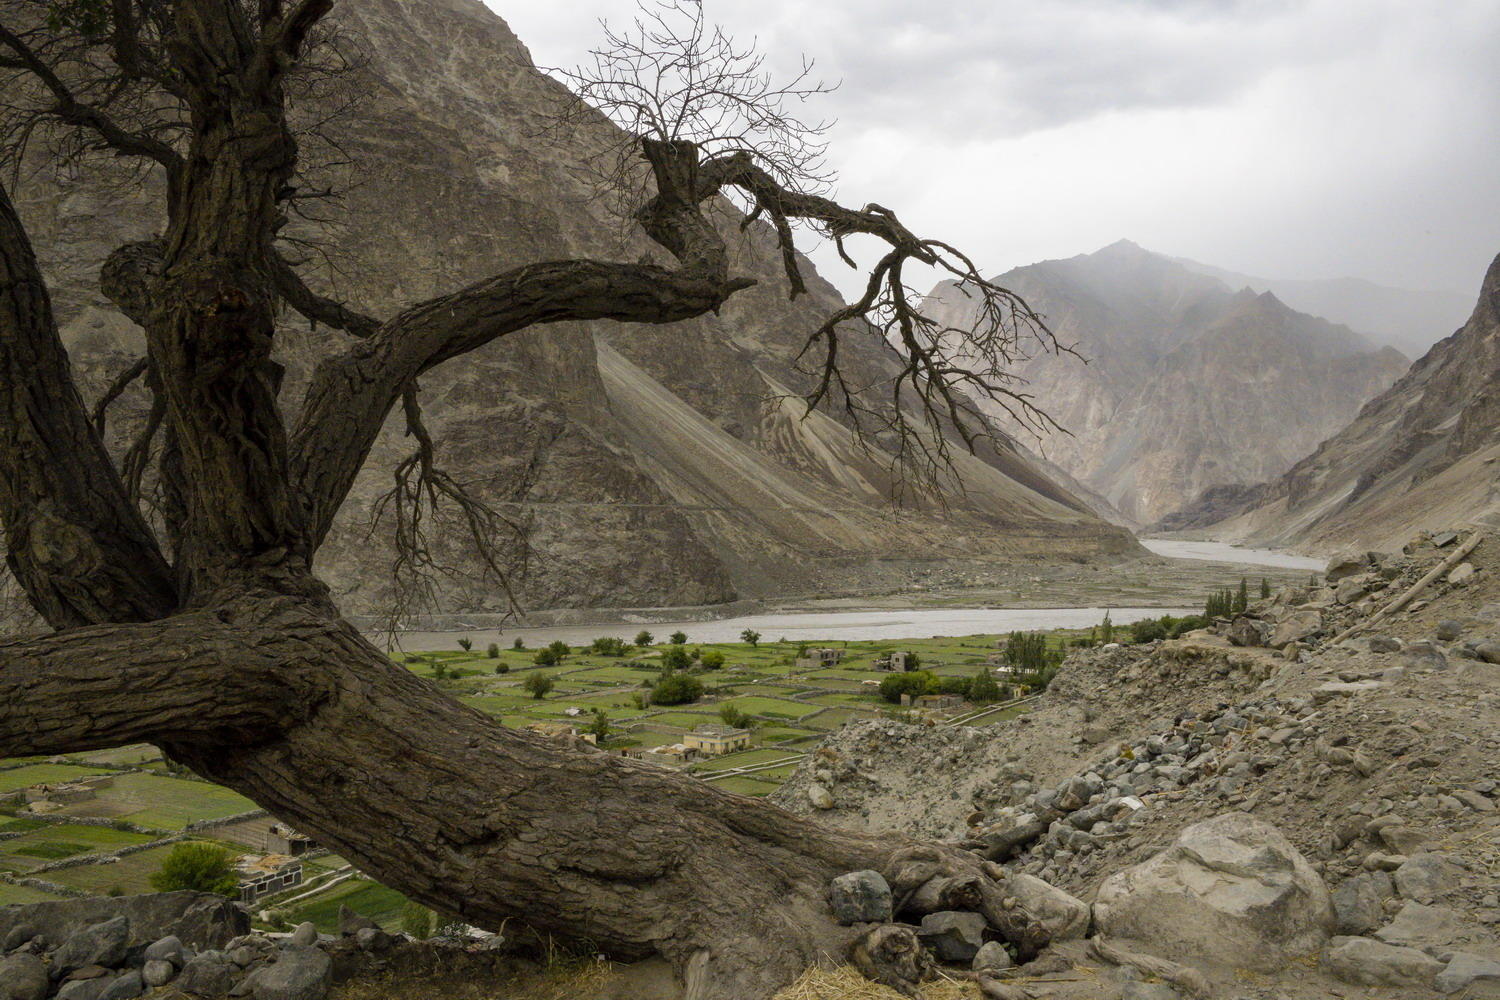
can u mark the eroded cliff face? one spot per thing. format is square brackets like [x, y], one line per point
[643, 466]
[1188, 385]
[1423, 455]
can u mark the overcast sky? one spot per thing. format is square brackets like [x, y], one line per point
[1283, 138]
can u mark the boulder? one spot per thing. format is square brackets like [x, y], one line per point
[1424, 877]
[98, 944]
[1449, 631]
[126, 987]
[1230, 890]
[1247, 632]
[1296, 627]
[198, 919]
[1470, 974]
[1461, 573]
[1352, 589]
[1357, 905]
[1364, 962]
[860, 897]
[207, 974]
[167, 949]
[1419, 926]
[351, 923]
[953, 935]
[1489, 652]
[819, 797]
[16, 936]
[305, 935]
[23, 977]
[157, 972]
[991, 957]
[1063, 916]
[298, 973]
[1383, 644]
[1343, 565]
[82, 989]
[1424, 654]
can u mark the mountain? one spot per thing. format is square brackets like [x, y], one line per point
[1410, 320]
[1424, 454]
[1188, 383]
[642, 466]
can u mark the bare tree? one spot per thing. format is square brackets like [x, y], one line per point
[212, 637]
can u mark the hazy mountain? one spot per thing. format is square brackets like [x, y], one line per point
[1188, 383]
[1410, 320]
[644, 465]
[1424, 454]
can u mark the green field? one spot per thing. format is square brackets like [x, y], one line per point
[52, 842]
[131, 874]
[10, 895]
[36, 774]
[369, 899]
[163, 803]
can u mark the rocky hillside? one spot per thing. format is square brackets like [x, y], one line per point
[642, 466]
[1189, 383]
[1410, 320]
[1422, 454]
[1365, 743]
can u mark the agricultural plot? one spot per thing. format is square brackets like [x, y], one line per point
[369, 899]
[37, 774]
[131, 874]
[53, 842]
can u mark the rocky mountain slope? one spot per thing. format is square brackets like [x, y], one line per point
[642, 466]
[1365, 745]
[1410, 320]
[1422, 454]
[1189, 384]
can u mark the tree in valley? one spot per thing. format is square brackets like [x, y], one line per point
[196, 622]
[198, 867]
[751, 637]
[538, 685]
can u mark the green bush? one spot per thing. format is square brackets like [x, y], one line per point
[493, 652]
[914, 683]
[519, 643]
[1147, 630]
[676, 658]
[609, 646]
[545, 657]
[502, 667]
[466, 644]
[599, 725]
[677, 638]
[676, 688]
[983, 689]
[418, 921]
[712, 660]
[199, 868]
[752, 637]
[643, 638]
[538, 685]
[733, 717]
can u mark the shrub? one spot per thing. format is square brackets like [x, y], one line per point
[559, 649]
[493, 652]
[1106, 630]
[502, 667]
[439, 672]
[676, 689]
[677, 638]
[750, 636]
[914, 683]
[643, 638]
[638, 700]
[1265, 588]
[466, 644]
[600, 725]
[1147, 630]
[712, 660]
[538, 685]
[731, 716]
[418, 921]
[519, 643]
[198, 867]
[545, 657]
[676, 658]
[608, 646]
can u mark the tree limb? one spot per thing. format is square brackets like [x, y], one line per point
[116, 389]
[76, 542]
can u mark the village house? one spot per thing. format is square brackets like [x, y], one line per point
[715, 740]
[820, 659]
[899, 662]
[933, 702]
[262, 875]
[552, 730]
[282, 839]
[65, 793]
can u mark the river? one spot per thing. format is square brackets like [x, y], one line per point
[810, 626]
[1220, 552]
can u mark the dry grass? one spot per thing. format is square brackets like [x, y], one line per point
[565, 981]
[844, 983]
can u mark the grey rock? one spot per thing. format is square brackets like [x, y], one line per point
[952, 935]
[351, 923]
[1296, 627]
[860, 897]
[1357, 904]
[305, 935]
[1469, 973]
[1424, 655]
[1462, 573]
[167, 949]
[199, 919]
[1449, 630]
[1420, 926]
[1063, 916]
[23, 977]
[1402, 839]
[17, 936]
[1383, 644]
[819, 797]
[1351, 590]
[207, 974]
[1489, 652]
[299, 973]
[82, 989]
[1137, 990]
[1364, 962]
[98, 944]
[1345, 564]
[1230, 890]
[991, 957]
[126, 987]
[376, 939]
[1424, 877]
[157, 972]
